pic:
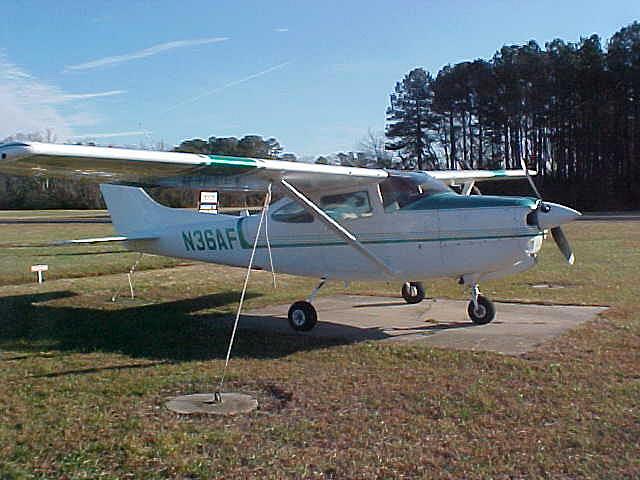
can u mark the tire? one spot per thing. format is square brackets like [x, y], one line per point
[486, 311]
[302, 316]
[413, 292]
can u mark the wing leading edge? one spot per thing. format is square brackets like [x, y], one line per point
[196, 171]
[173, 169]
[456, 177]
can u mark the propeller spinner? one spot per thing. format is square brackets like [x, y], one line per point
[550, 215]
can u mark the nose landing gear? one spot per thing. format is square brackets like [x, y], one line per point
[413, 292]
[481, 310]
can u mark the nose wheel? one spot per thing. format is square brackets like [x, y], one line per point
[413, 292]
[481, 310]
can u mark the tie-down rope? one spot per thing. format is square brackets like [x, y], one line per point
[265, 209]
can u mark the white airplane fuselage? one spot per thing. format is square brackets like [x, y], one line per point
[470, 236]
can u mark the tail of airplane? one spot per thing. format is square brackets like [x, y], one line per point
[133, 211]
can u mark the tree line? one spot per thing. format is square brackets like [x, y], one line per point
[569, 110]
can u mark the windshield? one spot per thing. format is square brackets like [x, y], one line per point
[404, 188]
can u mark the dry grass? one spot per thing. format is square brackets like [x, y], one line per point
[84, 382]
[23, 245]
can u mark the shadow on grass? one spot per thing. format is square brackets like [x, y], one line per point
[172, 331]
[84, 371]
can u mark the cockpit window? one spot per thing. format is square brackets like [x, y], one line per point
[342, 206]
[346, 206]
[401, 189]
[292, 213]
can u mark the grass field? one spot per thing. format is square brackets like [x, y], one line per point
[83, 380]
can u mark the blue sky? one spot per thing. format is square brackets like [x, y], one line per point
[315, 75]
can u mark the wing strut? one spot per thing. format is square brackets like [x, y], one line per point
[467, 186]
[342, 232]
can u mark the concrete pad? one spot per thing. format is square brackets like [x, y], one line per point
[213, 404]
[517, 328]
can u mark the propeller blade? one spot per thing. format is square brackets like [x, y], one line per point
[563, 244]
[526, 172]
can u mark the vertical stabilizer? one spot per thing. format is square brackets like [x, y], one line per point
[132, 210]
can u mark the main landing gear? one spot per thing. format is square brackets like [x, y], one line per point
[302, 315]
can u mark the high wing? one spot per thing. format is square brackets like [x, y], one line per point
[456, 177]
[468, 178]
[172, 169]
[196, 171]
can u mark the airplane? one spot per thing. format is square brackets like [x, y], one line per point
[332, 222]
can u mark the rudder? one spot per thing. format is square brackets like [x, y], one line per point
[131, 208]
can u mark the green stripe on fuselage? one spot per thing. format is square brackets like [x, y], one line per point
[339, 243]
[246, 245]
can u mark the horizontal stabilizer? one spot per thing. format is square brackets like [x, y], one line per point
[104, 240]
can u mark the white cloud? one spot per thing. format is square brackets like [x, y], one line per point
[83, 119]
[281, 30]
[30, 105]
[111, 135]
[147, 52]
[26, 103]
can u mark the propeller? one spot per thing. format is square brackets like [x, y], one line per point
[531, 182]
[556, 232]
[563, 244]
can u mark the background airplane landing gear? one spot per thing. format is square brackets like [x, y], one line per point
[302, 316]
[482, 311]
[413, 292]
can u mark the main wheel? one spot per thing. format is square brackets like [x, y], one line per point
[302, 316]
[413, 292]
[484, 313]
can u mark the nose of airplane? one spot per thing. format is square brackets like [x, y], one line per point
[552, 215]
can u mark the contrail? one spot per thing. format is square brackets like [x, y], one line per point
[153, 50]
[82, 96]
[228, 85]
[109, 135]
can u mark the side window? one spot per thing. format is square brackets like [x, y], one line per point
[398, 192]
[346, 206]
[343, 206]
[292, 213]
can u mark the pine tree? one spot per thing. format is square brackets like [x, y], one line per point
[412, 125]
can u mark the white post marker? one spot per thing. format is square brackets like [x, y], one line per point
[40, 269]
